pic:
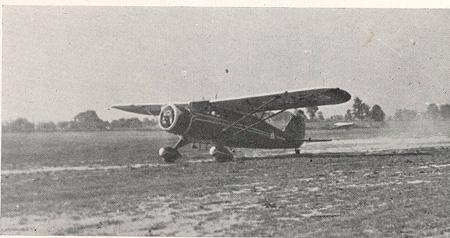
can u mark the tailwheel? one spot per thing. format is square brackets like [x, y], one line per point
[221, 154]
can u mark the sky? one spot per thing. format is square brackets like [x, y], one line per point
[59, 61]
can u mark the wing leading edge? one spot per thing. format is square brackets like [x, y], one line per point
[147, 109]
[286, 100]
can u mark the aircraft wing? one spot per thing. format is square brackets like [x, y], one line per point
[146, 109]
[284, 100]
[268, 102]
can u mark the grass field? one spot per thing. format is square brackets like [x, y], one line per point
[368, 182]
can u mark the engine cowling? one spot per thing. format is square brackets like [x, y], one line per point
[174, 119]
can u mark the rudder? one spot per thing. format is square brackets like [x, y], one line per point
[295, 129]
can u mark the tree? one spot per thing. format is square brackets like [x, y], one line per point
[107, 125]
[398, 115]
[365, 109]
[432, 111]
[311, 111]
[445, 111]
[88, 120]
[405, 115]
[63, 125]
[348, 115]
[5, 126]
[120, 123]
[134, 123]
[21, 125]
[46, 126]
[147, 123]
[130, 123]
[320, 116]
[357, 108]
[360, 109]
[376, 113]
[74, 125]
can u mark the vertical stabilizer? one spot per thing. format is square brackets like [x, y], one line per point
[295, 129]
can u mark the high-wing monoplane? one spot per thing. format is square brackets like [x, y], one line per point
[238, 123]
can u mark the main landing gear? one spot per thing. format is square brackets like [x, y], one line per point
[170, 154]
[220, 153]
[297, 151]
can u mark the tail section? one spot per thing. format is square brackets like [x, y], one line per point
[295, 129]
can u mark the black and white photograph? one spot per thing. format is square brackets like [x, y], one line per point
[225, 121]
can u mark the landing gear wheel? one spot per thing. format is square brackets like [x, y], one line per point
[170, 160]
[223, 160]
[169, 154]
[221, 154]
[297, 151]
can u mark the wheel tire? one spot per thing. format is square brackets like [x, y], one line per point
[169, 154]
[223, 160]
[169, 160]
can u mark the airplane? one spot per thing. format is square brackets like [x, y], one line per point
[238, 122]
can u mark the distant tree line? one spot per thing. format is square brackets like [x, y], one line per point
[90, 121]
[84, 121]
[433, 112]
[359, 111]
[363, 112]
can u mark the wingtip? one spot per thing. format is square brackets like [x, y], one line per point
[346, 96]
[117, 107]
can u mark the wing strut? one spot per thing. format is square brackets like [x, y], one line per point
[251, 113]
[263, 119]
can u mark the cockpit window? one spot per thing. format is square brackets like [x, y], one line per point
[167, 117]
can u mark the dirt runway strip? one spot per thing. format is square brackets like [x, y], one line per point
[114, 184]
[372, 195]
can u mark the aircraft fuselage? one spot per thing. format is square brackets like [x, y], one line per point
[216, 127]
